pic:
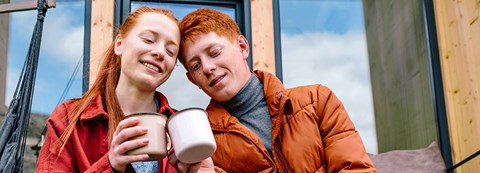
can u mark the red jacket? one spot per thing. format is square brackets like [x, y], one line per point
[311, 132]
[87, 148]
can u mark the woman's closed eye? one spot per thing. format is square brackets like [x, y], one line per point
[148, 41]
[171, 50]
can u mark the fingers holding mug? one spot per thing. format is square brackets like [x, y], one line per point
[205, 165]
[120, 144]
[157, 145]
[172, 159]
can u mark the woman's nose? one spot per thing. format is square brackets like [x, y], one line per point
[158, 52]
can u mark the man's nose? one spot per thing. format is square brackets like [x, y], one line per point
[208, 66]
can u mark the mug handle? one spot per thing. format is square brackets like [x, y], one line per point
[169, 143]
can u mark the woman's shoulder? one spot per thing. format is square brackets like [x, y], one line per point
[60, 115]
[64, 108]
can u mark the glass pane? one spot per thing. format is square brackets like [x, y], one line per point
[181, 9]
[180, 92]
[60, 52]
[323, 42]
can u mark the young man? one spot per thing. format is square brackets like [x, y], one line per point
[259, 125]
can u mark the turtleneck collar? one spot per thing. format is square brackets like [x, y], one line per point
[246, 99]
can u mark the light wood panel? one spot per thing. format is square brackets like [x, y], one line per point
[101, 34]
[4, 28]
[22, 6]
[263, 45]
[458, 29]
[402, 95]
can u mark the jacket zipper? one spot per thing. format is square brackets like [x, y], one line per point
[282, 158]
[265, 154]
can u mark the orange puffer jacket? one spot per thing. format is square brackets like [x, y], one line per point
[311, 132]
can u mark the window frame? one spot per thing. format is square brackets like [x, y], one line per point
[242, 13]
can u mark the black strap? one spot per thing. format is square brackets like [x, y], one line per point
[463, 161]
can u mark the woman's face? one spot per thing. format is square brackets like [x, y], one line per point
[148, 52]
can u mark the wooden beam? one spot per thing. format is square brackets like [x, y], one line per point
[458, 30]
[4, 28]
[263, 43]
[101, 34]
[23, 6]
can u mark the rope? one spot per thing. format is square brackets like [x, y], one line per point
[70, 81]
[15, 127]
[39, 144]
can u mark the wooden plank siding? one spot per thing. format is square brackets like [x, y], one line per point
[263, 45]
[101, 34]
[4, 29]
[23, 5]
[399, 72]
[458, 30]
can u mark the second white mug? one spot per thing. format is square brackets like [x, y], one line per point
[191, 135]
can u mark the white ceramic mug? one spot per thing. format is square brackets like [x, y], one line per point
[191, 135]
[159, 143]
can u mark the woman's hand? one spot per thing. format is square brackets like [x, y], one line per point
[117, 154]
[205, 165]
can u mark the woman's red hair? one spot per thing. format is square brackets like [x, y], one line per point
[107, 80]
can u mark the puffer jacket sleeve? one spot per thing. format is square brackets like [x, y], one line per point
[344, 149]
[65, 162]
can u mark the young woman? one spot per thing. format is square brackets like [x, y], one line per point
[86, 134]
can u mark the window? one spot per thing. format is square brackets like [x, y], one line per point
[61, 52]
[323, 42]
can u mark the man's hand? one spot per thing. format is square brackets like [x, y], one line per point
[205, 165]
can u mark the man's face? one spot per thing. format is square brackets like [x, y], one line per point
[217, 65]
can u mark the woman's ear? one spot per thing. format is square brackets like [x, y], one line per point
[118, 46]
[243, 44]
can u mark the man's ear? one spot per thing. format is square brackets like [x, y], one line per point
[243, 43]
[190, 78]
[118, 45]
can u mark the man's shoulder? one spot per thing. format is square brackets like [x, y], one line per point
[309, 94]
[307, 89]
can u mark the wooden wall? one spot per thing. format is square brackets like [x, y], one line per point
[101, 34]
[458, 29]
[4, 28]
[263, 45]
[402, 92]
